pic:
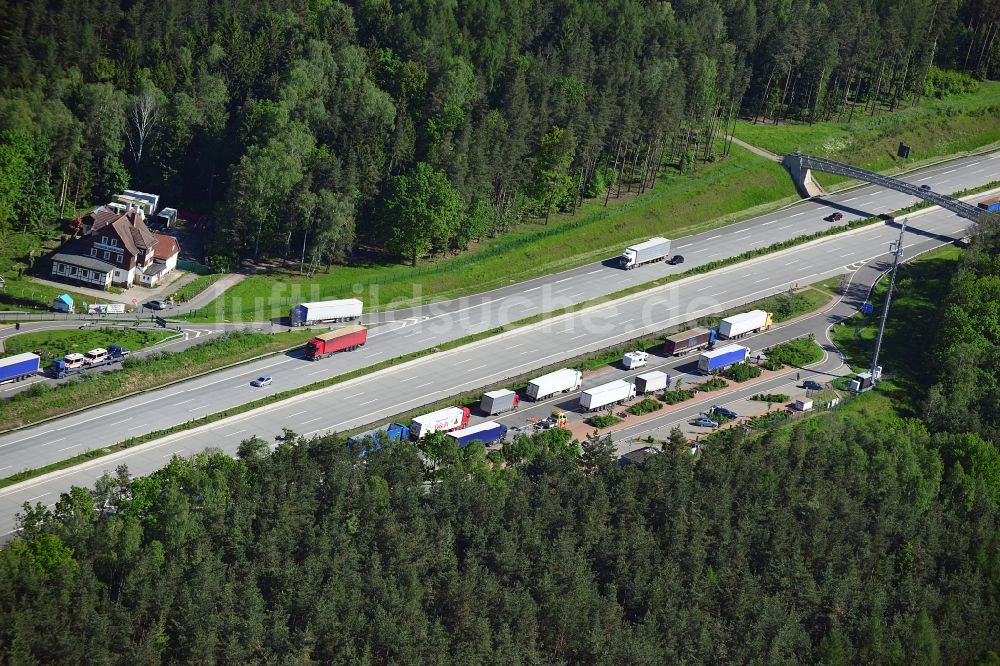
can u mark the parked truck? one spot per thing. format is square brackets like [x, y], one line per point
[655, 249]
[347, 338]
[612, 393]
[325, 312]
[991, 205]
[743, 324]
[488, 432]
[688, 341]
[442, 420]
[18, 367]
[635, 359]
[723, 357]
[560, 381]
[73, 364]
[651, 382]
[497, 402]
[372, 440]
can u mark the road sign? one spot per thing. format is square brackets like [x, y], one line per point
[868, 308]
[134, 301]
[903, 151]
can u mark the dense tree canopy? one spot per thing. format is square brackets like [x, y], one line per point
[866, 540]
[254, 110]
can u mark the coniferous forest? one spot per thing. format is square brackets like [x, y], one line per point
[309, 130]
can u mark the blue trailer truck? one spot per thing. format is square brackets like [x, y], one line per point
[372, 440]
[488, 432]
[18, 367]
[723, 357]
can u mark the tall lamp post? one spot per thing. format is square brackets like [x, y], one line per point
[897, 253]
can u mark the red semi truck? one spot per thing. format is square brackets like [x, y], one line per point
[341, 339]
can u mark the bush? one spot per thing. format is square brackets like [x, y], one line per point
[713, 384]
[770, 420]
[741, 372]
[677, 395]
[942, 82]
[777, 398]
[603, 421]
[799, 352]
[645, 407]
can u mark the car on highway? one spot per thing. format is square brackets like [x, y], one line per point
[925, 187]
[263, 380]
[725, 411]
[156, 305]
[705, 422]
[676, 259]
[811, 385]
[834, 217]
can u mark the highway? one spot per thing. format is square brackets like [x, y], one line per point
[380, 395]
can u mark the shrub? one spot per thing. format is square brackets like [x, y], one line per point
[770, 420]
[677, 395]
[777, 398]
[603, 421]
[713, 384]
[741, 372]
[799, 352]
[645, 407]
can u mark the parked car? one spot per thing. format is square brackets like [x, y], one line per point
[157, 305]
[834, 217]
[263, 380]
[725, 411]
[812, 385]
[925, 187]
[706, 422]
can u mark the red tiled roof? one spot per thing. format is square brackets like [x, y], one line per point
[165, 246]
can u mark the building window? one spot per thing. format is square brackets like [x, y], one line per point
[118, 258]
[107, 255]
[104, 240]
[114, 242]
[93, 251]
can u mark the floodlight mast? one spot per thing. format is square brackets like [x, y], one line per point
[897, 251]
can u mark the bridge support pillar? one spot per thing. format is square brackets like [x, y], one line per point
[803, 177]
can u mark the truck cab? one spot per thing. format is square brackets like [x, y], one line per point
[627, 260]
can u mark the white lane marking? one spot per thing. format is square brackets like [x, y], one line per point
[316, 372]
[362, 404]
[773, 221]
[714, 237]
[32, 499]
[311, 420]
[24, 438]
[68, 448]
[707, 286]
[53, 441]
[563, 280]
[239, 431]
[577, 337]
[786, 226]
[579, 293]
[143, 425]
[521, 344]
[295, 414]
[423, 385]
[950, 170]
[592, 272]
[120, 422]
[174, 453]
[464, 360]
[851, 199]
[920, 180]
[796, 215]
[763, 279]
[184, 402]
[3, 468]
[532, 289]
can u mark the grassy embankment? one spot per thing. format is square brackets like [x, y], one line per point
[712, 195]
[916, 300]
[20, 293]
[934, 129]
[58, 343]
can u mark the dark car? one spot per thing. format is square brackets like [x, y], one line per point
[925, 187]
[834, 217]
[725, 411]
[156, 305]
[676, 259]
[812, 385]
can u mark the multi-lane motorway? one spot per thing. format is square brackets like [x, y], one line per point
[379, 395]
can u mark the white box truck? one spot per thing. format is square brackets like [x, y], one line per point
[651, 381]
[612, 393]
[560, 381]
[442, 420]
[739, 325]
[323, 312]
[655, 249]
[635, 359]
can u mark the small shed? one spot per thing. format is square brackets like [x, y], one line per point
[804, 404]
[62, 303]
[167, 217]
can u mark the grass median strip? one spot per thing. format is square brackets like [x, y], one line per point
[240, 409]
[58, 343]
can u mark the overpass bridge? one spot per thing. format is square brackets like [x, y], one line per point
[801, 167]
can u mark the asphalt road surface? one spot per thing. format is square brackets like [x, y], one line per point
[378, 396]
